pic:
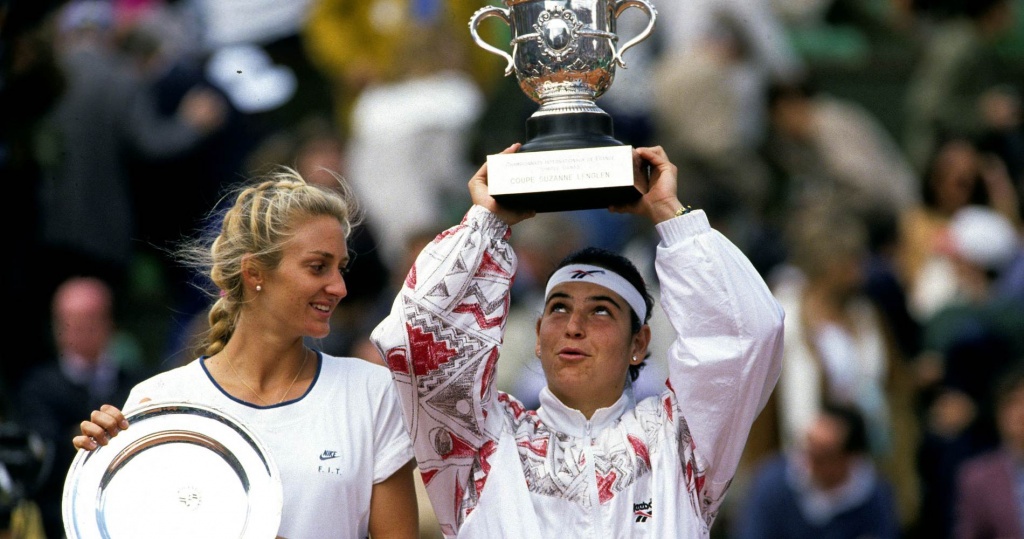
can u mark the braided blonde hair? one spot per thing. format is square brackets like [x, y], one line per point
[262, 219]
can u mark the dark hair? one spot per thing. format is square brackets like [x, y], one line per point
[603, 258]
[856, 429]
[979, 194]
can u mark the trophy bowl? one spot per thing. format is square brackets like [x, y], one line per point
[564, 55]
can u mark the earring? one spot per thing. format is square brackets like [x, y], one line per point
[260, 289]
[634, 359]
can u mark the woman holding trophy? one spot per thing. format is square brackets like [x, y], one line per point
[591, 461]
[332, 425]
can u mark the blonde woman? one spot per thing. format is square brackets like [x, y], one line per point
[278, 262]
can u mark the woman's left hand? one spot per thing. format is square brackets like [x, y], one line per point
[657, 179]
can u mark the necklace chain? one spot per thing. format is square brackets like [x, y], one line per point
[305, 358]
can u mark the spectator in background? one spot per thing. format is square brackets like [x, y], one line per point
[105, 114]
[158, 40]
[958, 176]
[825, 486]
[1001, 108]
[87, 372]
[30, 84]
[718, 58]
[826, 149]
[990, 487]
[710, 109]
[270, 32]
[397, 69]
[980, 244]
[357, 44]
[967, 343]
[957, 71]
[684, 25]
[833, 149]
[839, 348]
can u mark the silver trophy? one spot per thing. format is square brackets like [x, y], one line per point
[564, 55]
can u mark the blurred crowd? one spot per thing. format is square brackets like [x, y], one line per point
[867, 156]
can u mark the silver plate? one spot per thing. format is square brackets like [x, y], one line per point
[180, 470]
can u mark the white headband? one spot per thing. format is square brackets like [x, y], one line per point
[585, 273]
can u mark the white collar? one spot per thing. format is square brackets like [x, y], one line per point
[561, 418]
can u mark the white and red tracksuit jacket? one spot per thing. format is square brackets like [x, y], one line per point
[658, 468]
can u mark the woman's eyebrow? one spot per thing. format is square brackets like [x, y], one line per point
[609, 299]
[598, 298]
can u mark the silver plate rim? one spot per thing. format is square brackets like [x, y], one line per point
[182, 421]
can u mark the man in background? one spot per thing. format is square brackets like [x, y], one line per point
[825, 487]
[87, 372]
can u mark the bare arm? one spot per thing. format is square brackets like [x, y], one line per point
[394, 512]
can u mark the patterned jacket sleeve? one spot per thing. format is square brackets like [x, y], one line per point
[441, 342]
[727, 355]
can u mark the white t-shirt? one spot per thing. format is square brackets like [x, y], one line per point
[331, 445]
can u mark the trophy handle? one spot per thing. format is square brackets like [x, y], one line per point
[644, 6]
[503, 14]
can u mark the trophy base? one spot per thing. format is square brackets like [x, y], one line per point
[570, 161]
[568, 131]
[569, 200]
[563, 180]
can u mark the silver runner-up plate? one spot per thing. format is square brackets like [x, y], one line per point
[180, 470]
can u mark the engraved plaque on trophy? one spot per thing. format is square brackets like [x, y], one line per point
[564, 55]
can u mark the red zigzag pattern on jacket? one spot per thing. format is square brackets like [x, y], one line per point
[428, 354]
